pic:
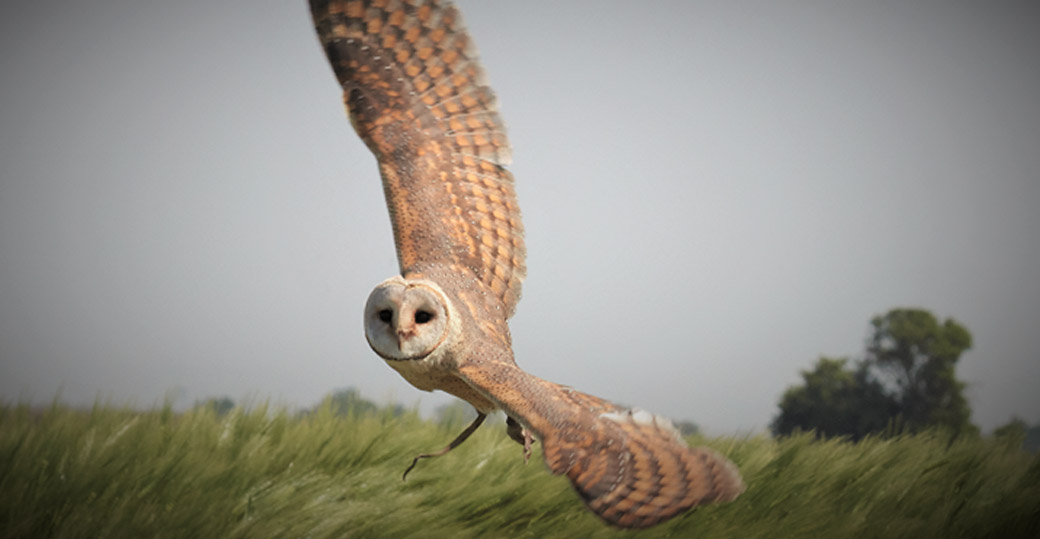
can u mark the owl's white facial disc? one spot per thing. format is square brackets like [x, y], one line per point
[405, 320]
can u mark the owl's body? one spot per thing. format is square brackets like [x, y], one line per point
[439, 369]
[416, 95]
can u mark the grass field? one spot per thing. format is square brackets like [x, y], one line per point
[263, 472]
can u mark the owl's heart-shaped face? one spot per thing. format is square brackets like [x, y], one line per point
[406, 320]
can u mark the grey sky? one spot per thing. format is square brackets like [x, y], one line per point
[714, 194]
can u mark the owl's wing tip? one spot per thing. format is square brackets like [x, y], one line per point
[729, 483]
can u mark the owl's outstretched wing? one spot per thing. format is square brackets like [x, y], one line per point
[630, 467]
[416, 95]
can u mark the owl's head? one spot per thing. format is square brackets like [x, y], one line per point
[406, 319]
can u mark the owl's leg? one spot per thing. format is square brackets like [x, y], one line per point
[454, 443]
[522, 436]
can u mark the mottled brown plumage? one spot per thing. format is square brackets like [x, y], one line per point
[416, 95]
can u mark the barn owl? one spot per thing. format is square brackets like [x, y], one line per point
[417, 96]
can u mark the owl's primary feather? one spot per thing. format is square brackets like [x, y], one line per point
[416, 95]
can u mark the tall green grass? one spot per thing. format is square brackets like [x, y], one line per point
[263, 472]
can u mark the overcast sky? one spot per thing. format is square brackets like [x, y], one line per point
[715, 194]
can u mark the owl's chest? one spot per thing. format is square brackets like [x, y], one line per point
[430, 375]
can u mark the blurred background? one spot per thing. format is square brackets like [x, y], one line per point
[715, 195]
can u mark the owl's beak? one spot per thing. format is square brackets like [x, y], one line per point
[403, 335]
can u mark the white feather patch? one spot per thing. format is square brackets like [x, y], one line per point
[643, 417]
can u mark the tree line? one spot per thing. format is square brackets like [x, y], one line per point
[905, 382]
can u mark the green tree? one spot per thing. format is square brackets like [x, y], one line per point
[835, 400]
[349, 402]
[915, 356]
[906, 382]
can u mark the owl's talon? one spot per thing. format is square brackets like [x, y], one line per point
[521, 435]
[454, 443]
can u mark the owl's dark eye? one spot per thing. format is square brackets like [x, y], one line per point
[386, 315]
[422, 317]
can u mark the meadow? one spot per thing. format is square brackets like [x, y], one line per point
[265, 472]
